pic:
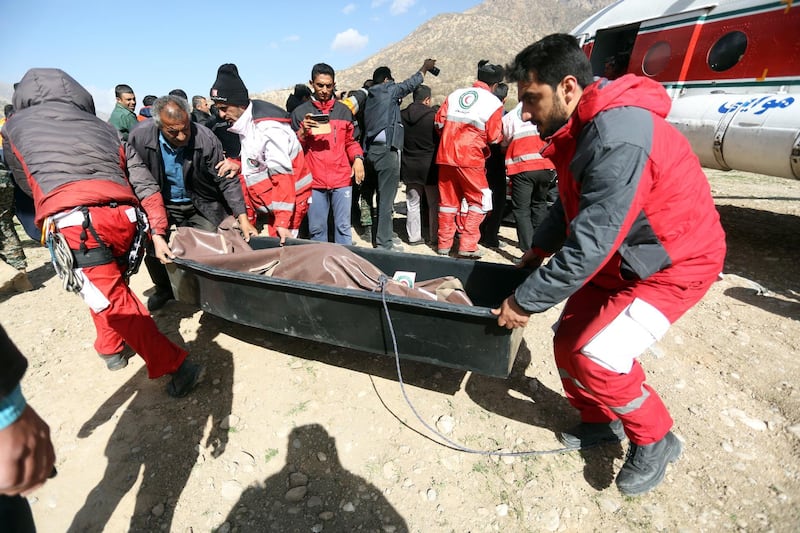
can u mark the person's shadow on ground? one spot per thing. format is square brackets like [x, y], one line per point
[525, 399]
[147, 438]
[313, 492]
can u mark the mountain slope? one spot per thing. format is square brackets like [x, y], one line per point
[495, 30]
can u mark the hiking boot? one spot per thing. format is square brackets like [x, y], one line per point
[443, 251]
[118, 361]
[158, 300]
[475, 254]
[185, 379]
[366, 233]
[645, 466]
[115, 362]
[588, 434]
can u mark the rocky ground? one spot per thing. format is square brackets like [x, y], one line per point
[290, 435]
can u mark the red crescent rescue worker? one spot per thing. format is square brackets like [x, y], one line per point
[469, 120]
[634, 242]
[271, 161]
[91, 192]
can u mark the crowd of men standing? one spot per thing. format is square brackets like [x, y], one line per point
[450, 157]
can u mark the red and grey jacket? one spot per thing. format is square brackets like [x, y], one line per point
[329, 156]
[634, 203]
[65, 157]
[272, 160]
[523, 144]
[469, 120]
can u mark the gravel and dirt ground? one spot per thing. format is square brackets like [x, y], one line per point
[290, 435]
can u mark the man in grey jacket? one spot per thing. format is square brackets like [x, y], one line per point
[182, 156]
[383, 141]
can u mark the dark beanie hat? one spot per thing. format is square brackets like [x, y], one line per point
[380, 74]
[488, 73]
[229, 88]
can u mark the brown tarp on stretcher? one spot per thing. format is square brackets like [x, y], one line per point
[319, 263]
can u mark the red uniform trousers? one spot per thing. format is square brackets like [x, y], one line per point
[600, 394]
[125, 319]
[456, 183]
[302, 191]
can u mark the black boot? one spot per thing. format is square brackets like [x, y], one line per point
[588, 434]
[645, 466]
[185, 379]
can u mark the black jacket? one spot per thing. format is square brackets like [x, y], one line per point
[213, 196]
[419, 148]
[12, 365]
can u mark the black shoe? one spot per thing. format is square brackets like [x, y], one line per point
[158, 300]
[588, 434]
[185, 379]
[645, 466]
[366, 233]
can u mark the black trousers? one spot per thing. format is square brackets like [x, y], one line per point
[530, 193]
[15, 515]
[180, 215]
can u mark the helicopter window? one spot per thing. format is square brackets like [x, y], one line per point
[656, 58]
[727, 51]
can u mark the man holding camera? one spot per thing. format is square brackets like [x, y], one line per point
[324, 127]
[383, 140]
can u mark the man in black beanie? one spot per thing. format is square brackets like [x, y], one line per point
[469, 120]
[271, 160]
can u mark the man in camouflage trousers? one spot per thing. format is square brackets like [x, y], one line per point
[10, 246]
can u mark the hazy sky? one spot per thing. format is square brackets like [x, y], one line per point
[158, 46]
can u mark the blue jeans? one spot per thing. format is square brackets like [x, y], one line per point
[336, 200]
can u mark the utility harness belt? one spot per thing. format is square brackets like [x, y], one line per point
[66, 260]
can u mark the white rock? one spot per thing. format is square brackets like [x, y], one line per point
[431, 495]
[752, 423]
[794, 430]
[390, 470]
[501, 510]
[551, 520]
[608, 505]
[321, 457]
[298, 479]
[157, 510]
[349, 507]
[316, 528]
[445, 424]
[295, 494]
[231, 490]
[229, 421]
[326, 515]
[314, 501]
